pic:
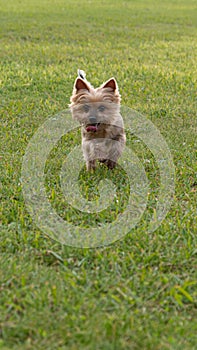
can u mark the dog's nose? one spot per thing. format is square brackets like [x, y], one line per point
[92, 120]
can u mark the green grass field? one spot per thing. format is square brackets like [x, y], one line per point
[140, 292]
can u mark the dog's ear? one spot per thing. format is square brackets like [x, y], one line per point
[111, 83]
[110, 90]
[80, 84]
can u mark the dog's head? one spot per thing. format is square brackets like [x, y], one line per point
[95, 107]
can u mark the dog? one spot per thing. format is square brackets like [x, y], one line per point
[98, 112]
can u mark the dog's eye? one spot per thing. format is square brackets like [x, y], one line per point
[86, 108]
[101, 108]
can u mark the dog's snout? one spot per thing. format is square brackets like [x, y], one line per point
[92, 120]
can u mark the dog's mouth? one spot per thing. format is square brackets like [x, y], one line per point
[92, 127]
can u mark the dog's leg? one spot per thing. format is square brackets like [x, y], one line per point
[109, 163]
[91, 165]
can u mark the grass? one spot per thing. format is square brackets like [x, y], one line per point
[141, 292]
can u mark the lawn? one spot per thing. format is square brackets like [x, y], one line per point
[139, 292]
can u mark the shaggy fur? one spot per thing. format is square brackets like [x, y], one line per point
[98, 112]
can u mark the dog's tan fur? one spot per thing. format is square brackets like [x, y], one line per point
[106, 138]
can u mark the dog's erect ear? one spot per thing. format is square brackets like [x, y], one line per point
[81, 74]
[81, 84]
[111, 83]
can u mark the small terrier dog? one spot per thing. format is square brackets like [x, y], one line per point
[98, 112]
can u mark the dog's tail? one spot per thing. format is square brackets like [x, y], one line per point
[81, 74]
